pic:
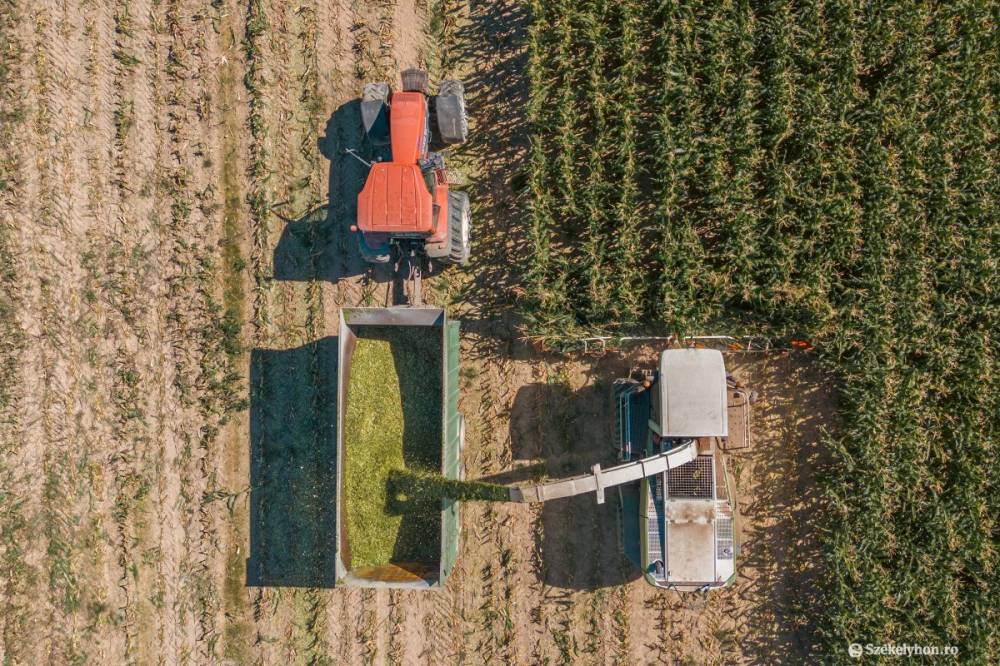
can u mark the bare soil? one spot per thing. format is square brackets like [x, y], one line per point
[176, 216]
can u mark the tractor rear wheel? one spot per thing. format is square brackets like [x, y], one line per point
[449, 105]
[459, 227]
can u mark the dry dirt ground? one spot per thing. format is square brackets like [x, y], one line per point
[175, 252]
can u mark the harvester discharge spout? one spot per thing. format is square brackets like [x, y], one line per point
[598, 480]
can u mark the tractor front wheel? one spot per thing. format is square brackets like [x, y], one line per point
[459, 227]
[449, 105]
[375, 112]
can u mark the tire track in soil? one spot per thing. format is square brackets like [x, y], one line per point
[561, 551]
[176, 418]
[590, 555]
[178, 248]
[220, 122]
[172, 638]
[366, 634]
[203, 376]
[132, 287]
[256, 49]
[18, 579]
[486, 616]
[51, 307]
[110, 330]
[290, 304]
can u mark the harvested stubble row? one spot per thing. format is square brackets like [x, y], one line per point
[392, 425]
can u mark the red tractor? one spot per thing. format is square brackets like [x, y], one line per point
[406, 209]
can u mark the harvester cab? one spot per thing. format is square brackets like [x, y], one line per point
[407, 212]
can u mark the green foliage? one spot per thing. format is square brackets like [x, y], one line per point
[392, 423]
[821, 169]
[409, 488]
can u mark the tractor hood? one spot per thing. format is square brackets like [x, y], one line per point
[408, 127]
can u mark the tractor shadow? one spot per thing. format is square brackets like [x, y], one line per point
[490, 56]
[293, 463]
[319, 244]
[562, 432]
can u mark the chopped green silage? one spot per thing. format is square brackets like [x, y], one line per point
[392, 424]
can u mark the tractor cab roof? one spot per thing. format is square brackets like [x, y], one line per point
[693, 393]
[395, 199]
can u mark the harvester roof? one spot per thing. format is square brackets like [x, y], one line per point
[693, 393]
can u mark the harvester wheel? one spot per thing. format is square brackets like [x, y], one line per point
[459, 227]
[449, 105]
[414, 80]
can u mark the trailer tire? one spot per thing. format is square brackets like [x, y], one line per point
[459, 228]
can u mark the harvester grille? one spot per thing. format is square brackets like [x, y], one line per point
[692, 480]
[724, 538]
[654, 522]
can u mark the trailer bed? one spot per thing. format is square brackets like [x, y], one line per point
[392, 423]
[398, 425]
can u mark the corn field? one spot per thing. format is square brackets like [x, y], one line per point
[818, 169]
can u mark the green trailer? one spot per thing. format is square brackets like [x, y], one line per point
[397, 390]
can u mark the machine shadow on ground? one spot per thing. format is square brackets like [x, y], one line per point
[568, 431]
[781, 503]
[496, 88]
[319, 244]
[293, 462]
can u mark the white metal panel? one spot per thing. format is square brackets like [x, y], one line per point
[693, 393]
[691, 552]
[607, 478]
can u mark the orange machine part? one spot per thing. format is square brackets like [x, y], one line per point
[407, 126]
[439, 233]
[395, 199]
